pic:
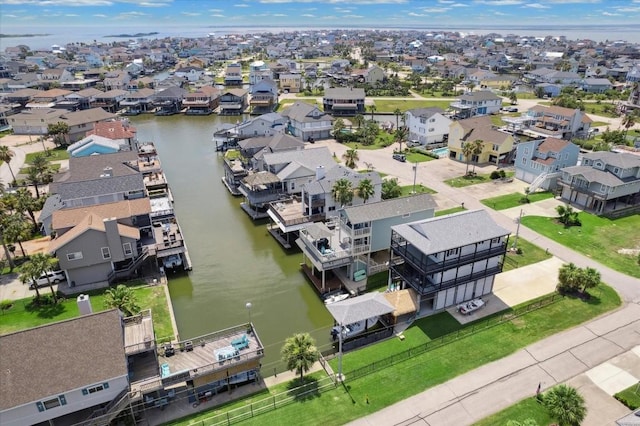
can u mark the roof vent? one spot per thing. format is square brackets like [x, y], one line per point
[107, 172]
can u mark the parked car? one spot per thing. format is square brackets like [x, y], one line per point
[54, 277]
[412, 143]
[400, 157]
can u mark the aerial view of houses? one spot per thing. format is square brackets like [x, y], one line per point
[189, 222]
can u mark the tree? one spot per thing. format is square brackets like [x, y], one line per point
[565, 405]
[342, 191]
[40, 263]
[567, 216]
[28, 274]
[372, 110]
[16, 229]
[628, 121]
[513, 98]
[568, 277]
[589, 278]
[400, 135]
[338, 127]
[539, 92]
[4, 215]
[299, 353]
[391, 189]
[358, 120]
[59, 131]
[477, 150]
[369, 132]
[350, 158]
[467, 151]
[397, 113]
[123, 298]
[365, 190]
[26, 204]
[6, 155]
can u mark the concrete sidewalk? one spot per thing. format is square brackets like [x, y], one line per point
[565, 356]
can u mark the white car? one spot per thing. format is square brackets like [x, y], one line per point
[54, 277]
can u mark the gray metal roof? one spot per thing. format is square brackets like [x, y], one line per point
[335, 173]
[360, 308]
[310, 158]
[451, 231]
[594, 175]
[425, 112]
[616, 159]
[480, 95]
[302, 112]
[390, 208]
[344, 93]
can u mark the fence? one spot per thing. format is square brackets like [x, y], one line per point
[327, 383]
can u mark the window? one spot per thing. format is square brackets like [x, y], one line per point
[126, 247]
[495, 240]
[495, 147]
[51, 403]
[524, 161]
[423, 120]
[106, 253]
[74, 256]
[431, 129]
[432, 120]
[452, 252]
[94, 389]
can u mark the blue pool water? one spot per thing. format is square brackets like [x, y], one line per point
[441, 152]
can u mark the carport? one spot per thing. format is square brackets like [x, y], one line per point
[356, 309]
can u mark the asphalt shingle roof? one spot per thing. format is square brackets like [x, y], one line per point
[390, 208]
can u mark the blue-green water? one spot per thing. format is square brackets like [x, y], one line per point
[235, 260]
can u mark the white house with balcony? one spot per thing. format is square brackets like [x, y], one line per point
[427, 125]
[482, 102]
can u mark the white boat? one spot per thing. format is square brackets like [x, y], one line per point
[172, 262]
[468, 307]
[354, 329]
[336, 298]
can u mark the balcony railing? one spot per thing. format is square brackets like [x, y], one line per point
[424, 286]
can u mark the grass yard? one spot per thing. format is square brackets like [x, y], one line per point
[56, 154]
[426, 370]
[462, 181]
[598, 124]
[24, 315]
[531, 253]
[414, 156]
[513, 200]
[630, 396]
[25, 170]
[599, 238]
[528, 408]
[420, 189]
[390, 105]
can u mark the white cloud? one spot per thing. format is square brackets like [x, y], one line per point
[435, 9]
[632, 9]
[241, 5]
[536, 6]
[100, 15]
[190, 13]
[459, 5]
[611, 14]
[217, 15]
[216, 10]
[279, 14]
[308, 15]
[417, 14]
[500, 2]
[353, 16]
[445, 1]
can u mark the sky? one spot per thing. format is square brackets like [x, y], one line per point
[32, 16]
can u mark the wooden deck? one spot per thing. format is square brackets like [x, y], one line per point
[332, 282]
[138, 333]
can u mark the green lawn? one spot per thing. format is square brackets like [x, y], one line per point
[24, 315]
[598, 124]
[390, 105]
[513, 200]
[528, 408]
[56, 154]
[599, 238]
[417, 157]
[25, 170]
[462, 181]
[425, 370]
[420, 189]
[630, 396]
[531, 253]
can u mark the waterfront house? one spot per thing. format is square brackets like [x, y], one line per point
[48, 98]
[92, 145]
[120, 131]
[539, 161]
[264, 96]
[308, 122]
[428, 126]
[233, 101]
[606, 183]
[356, 243]
[80, 122]
[280, 176]
[169, 100]
[496, 145]
[558, 122]
[21, 97]
[110, 100]
[82, 370]
[53, 76]
[258, 71]
[264, 125]
[190, 73]
[481, 102]
[81, 99]
[138, 102]
[449, 259]
[596, 85]
[201, 102]
[344, 101]
[34, 121]
[116, 80]
[371, 75]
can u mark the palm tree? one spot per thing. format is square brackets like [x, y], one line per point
[478, 146]
[566, 215]
[397, 113]
[350, 158]
[40, 264]
[365, 190]
[513, 97]
[372, 109]
[299, 353]
[401, 134]
[628, 121]
[589, 278]
[28, 274]
[568, 277]
[6, 155]
[16, 229]
[565, 405]
[467, 151]
[338, 126]
[359, 120]
[123, 298]
[342, 191]
[25, 203]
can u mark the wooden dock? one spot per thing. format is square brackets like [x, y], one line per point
[332, 282]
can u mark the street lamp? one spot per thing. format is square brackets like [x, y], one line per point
[249, 306]
[518, 220]
[415, 172]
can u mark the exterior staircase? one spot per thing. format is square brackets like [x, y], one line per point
[541, 179]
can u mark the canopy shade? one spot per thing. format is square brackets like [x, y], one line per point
[360, 308]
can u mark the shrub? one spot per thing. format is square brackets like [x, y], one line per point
[518, 250]
[6, 304]
[524, 200]
[503, 174]
[494, 175]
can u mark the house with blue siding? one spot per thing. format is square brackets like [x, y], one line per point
[540, 159]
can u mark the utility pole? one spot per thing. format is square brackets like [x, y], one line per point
[518, 220]
[415, 172]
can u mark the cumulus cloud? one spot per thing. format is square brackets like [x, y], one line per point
[536, 6]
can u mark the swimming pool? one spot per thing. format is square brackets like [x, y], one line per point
[441, 152]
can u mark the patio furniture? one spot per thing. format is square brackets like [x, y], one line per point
[240, 342]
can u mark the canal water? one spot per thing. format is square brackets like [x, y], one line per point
[235, 260]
